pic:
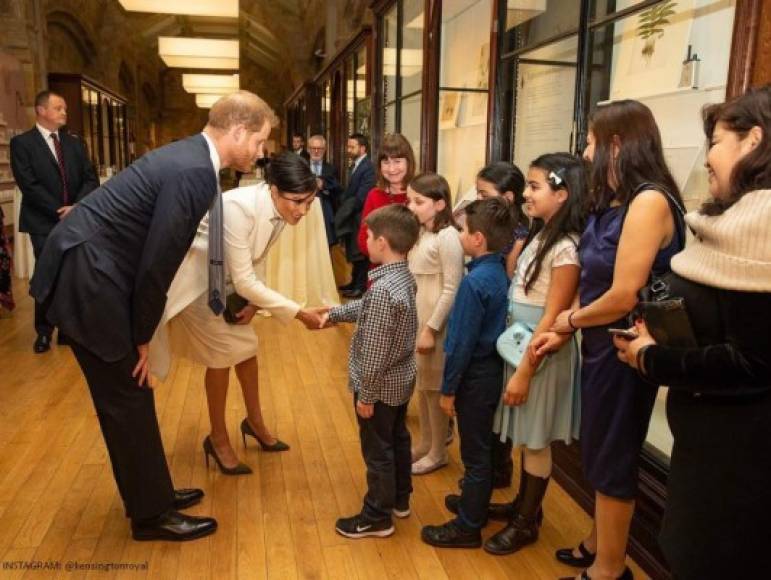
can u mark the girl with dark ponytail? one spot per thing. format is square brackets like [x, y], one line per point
[541, 403]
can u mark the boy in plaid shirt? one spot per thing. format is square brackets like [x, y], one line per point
[382, 371]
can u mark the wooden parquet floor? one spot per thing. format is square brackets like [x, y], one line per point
[58, 501]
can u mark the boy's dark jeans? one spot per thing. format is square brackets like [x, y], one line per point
[385, 446]
[475, 402]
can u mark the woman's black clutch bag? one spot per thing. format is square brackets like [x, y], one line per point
[233, 305]
[665, 315]
[668, 323]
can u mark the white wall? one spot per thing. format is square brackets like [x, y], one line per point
[461, 149]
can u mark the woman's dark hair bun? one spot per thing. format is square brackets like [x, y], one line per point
[290, 173]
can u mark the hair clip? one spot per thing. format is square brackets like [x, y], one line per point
[555, 179]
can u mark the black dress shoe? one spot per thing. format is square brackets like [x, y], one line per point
[174, 527]
[501, 512]
[185, 498]
[42, 344]
[566, 556]
[451, 535]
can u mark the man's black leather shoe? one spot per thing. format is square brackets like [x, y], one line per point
[42, 344]
[450, 535]
[174, 527]
[185, 498]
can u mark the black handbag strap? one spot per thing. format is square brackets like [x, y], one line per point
[678, 211]
[656, 288]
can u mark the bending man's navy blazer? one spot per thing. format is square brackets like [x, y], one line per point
[107, 266]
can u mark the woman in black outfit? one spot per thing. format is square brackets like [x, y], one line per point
[719, 406]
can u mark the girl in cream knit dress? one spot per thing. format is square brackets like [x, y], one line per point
[436, 262]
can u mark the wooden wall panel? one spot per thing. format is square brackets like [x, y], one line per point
[761, 72]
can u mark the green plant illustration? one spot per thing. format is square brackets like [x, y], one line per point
[651, 26]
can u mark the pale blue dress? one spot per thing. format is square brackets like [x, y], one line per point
[553, 408]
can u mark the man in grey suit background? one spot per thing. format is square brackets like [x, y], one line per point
[104, 274]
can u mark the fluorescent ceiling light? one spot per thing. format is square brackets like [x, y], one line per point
[224, 8]
[212, 84]
[205, 101]
[198, 52]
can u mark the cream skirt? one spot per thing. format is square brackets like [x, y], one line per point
[200, 336]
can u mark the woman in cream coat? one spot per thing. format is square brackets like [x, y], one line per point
[254, 217]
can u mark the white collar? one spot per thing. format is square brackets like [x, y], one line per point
[46, 133]
[215, 157]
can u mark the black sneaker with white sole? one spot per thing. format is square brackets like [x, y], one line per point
[360, 527]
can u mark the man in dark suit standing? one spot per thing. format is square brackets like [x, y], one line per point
[53, 172]
[348, 216]
[105, 271]
[329, 186]
[298, 146]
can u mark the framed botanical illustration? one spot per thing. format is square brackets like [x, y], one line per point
[646, 49]
[449, 106]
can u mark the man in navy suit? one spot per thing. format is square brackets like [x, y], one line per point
[298, 146]
[361, 181]
[329, 186]
[105, 272]
[53, 172]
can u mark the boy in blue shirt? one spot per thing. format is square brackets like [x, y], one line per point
[473, 371]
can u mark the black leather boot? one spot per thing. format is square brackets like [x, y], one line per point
[505, 512]
[523, 529]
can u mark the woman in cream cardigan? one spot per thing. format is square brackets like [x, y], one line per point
[253, 219]
[719, 402]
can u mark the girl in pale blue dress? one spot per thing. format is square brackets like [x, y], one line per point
[541, 402]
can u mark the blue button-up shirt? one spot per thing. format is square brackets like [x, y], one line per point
[477, 319]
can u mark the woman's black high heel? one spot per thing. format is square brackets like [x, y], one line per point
[625, 575]
[208, 449]
[246, 429]
[566, 556]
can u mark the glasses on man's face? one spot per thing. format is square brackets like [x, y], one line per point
[316, 149]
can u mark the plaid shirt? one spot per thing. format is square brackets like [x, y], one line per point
[382, 355]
